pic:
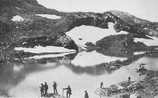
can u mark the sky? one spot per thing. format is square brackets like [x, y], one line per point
[146, 9]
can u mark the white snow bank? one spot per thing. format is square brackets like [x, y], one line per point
[84, 34]
[49, 16]
[139, 53]
[50, 55]
[17, 18]
[148, 42]
[47, 49]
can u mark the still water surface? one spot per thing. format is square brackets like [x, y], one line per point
[26, 78]
[82, 71]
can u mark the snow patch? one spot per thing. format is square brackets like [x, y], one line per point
[84, 34]
[49, 55]
[148, 42]
[93, 58]
[133, 96]
[49, 16]
[17, 18]
[139, 53]
[47, 49]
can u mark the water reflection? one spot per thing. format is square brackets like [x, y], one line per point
[22, 72]
[15, 72]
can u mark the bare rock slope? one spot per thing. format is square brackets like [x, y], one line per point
[34, 30]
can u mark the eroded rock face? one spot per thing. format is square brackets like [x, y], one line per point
[120, 45]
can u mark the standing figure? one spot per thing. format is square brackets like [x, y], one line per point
[129, 79]
[86, 94]
[42, 89]
[101, 85]
[55, 88]
[45, 88]
[68, 91]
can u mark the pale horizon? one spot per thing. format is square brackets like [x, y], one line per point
[145, 9]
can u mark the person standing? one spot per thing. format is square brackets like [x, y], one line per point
[86, 94]
[42, 89]
[45, 88]
[101, 85]
[55, 88]
[129, 79]
[68, 91]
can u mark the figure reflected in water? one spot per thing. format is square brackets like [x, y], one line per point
[86, 94]
[55, 88]
[68, 91]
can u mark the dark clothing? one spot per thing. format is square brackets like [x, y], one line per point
[129, 79]
[42, 90]
[101, 85]
[86, 95]
[68, 92]
[55, 88]
[45, 88]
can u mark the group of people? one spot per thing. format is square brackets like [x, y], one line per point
[68, 91]
[44, 89]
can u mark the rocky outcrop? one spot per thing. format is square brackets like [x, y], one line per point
[34, 26]
[145, 88]
[32, 29]
[120, 45]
